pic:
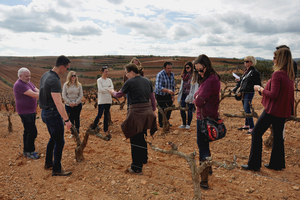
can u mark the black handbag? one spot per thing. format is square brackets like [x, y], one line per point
[212, 129]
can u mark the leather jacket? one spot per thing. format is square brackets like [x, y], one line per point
[247, 82]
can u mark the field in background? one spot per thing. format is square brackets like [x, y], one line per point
[88, 67]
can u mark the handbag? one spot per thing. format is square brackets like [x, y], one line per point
[212, 129]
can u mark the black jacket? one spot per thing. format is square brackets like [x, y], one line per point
[248, 81]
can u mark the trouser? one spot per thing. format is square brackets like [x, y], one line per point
[74, 115]
[101, 108]
[202, 142]
[139, 153]
[277, 159]
[56, 142]
[30, 131]
[246, 105]
[183, 113]
[164, 102]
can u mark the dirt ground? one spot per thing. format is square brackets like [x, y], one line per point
[103, 174]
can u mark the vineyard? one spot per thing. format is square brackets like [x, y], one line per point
[103, 173]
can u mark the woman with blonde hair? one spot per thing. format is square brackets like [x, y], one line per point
[278, 101]
[72, 95]
[250, 78]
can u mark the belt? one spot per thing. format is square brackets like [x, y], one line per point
[51, 108]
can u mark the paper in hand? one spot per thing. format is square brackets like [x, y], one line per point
[236, 76]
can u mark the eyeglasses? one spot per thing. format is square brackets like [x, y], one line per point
[274, 58]
[73, 75]
[246, 61]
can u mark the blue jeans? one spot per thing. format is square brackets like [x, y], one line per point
[30, 131]
[203, 143]
[248, 99]
[183, 113]
[56, 142]
[101, 108]
[74, 115]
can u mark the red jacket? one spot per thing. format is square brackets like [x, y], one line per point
[278, 96]
[207, 98]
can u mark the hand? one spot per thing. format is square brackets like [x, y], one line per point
[68, 125]
[237, 80]
[111, 91]
[173, 98]
[154, 113]
[171, 92]
[256, 87]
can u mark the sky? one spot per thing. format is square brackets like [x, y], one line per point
[217, 28]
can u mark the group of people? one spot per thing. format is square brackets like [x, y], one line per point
[199, 89]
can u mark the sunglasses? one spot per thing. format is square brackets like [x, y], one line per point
[187, 67]
[200, 70]
[73, 76]
[274, 58]
[67, 67]
[246, 61]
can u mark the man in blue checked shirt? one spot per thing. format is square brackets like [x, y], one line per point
[164, 89]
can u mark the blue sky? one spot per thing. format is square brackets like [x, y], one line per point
[217, 28]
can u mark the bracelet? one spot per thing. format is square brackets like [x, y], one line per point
[67, 120]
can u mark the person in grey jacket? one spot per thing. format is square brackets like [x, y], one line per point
[188, 87]
[72, 94]
[245, 85]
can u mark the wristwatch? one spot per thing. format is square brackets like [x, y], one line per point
[67, 120]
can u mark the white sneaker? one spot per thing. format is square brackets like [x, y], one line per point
[182, 126]
[187, 127]
[71, 136]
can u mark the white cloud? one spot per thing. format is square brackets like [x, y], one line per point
[230, 28]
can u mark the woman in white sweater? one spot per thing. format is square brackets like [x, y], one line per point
[104, 98]
[72, 95]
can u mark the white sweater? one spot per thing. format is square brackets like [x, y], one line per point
[104, 97]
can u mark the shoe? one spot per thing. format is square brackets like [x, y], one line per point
[160, 126]
[71, 136]
[204, 185]
[48, 166]
[33, 155]
[246, 167]
[26, 154]
[138, 172]
[243, 128]
[182, 126]
[269, 167]
[171, 125]
[187, 127]
[61, 173]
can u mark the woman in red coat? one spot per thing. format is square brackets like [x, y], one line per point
[278, 101]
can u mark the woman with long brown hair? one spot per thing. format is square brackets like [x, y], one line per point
[278, 101]
[186, 94]
[207, 101]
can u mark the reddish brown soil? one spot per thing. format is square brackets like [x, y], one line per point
[103, 174]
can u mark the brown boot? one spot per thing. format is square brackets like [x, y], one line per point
[204, 178]
[210, 170]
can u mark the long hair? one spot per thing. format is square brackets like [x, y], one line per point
[68, 81]
[139, 65]
[205, 61]
[190, 64]
[284, 61]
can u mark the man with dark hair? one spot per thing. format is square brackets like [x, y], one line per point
[294, 62]
[54, 115]
[26, 95]
[164, 90]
